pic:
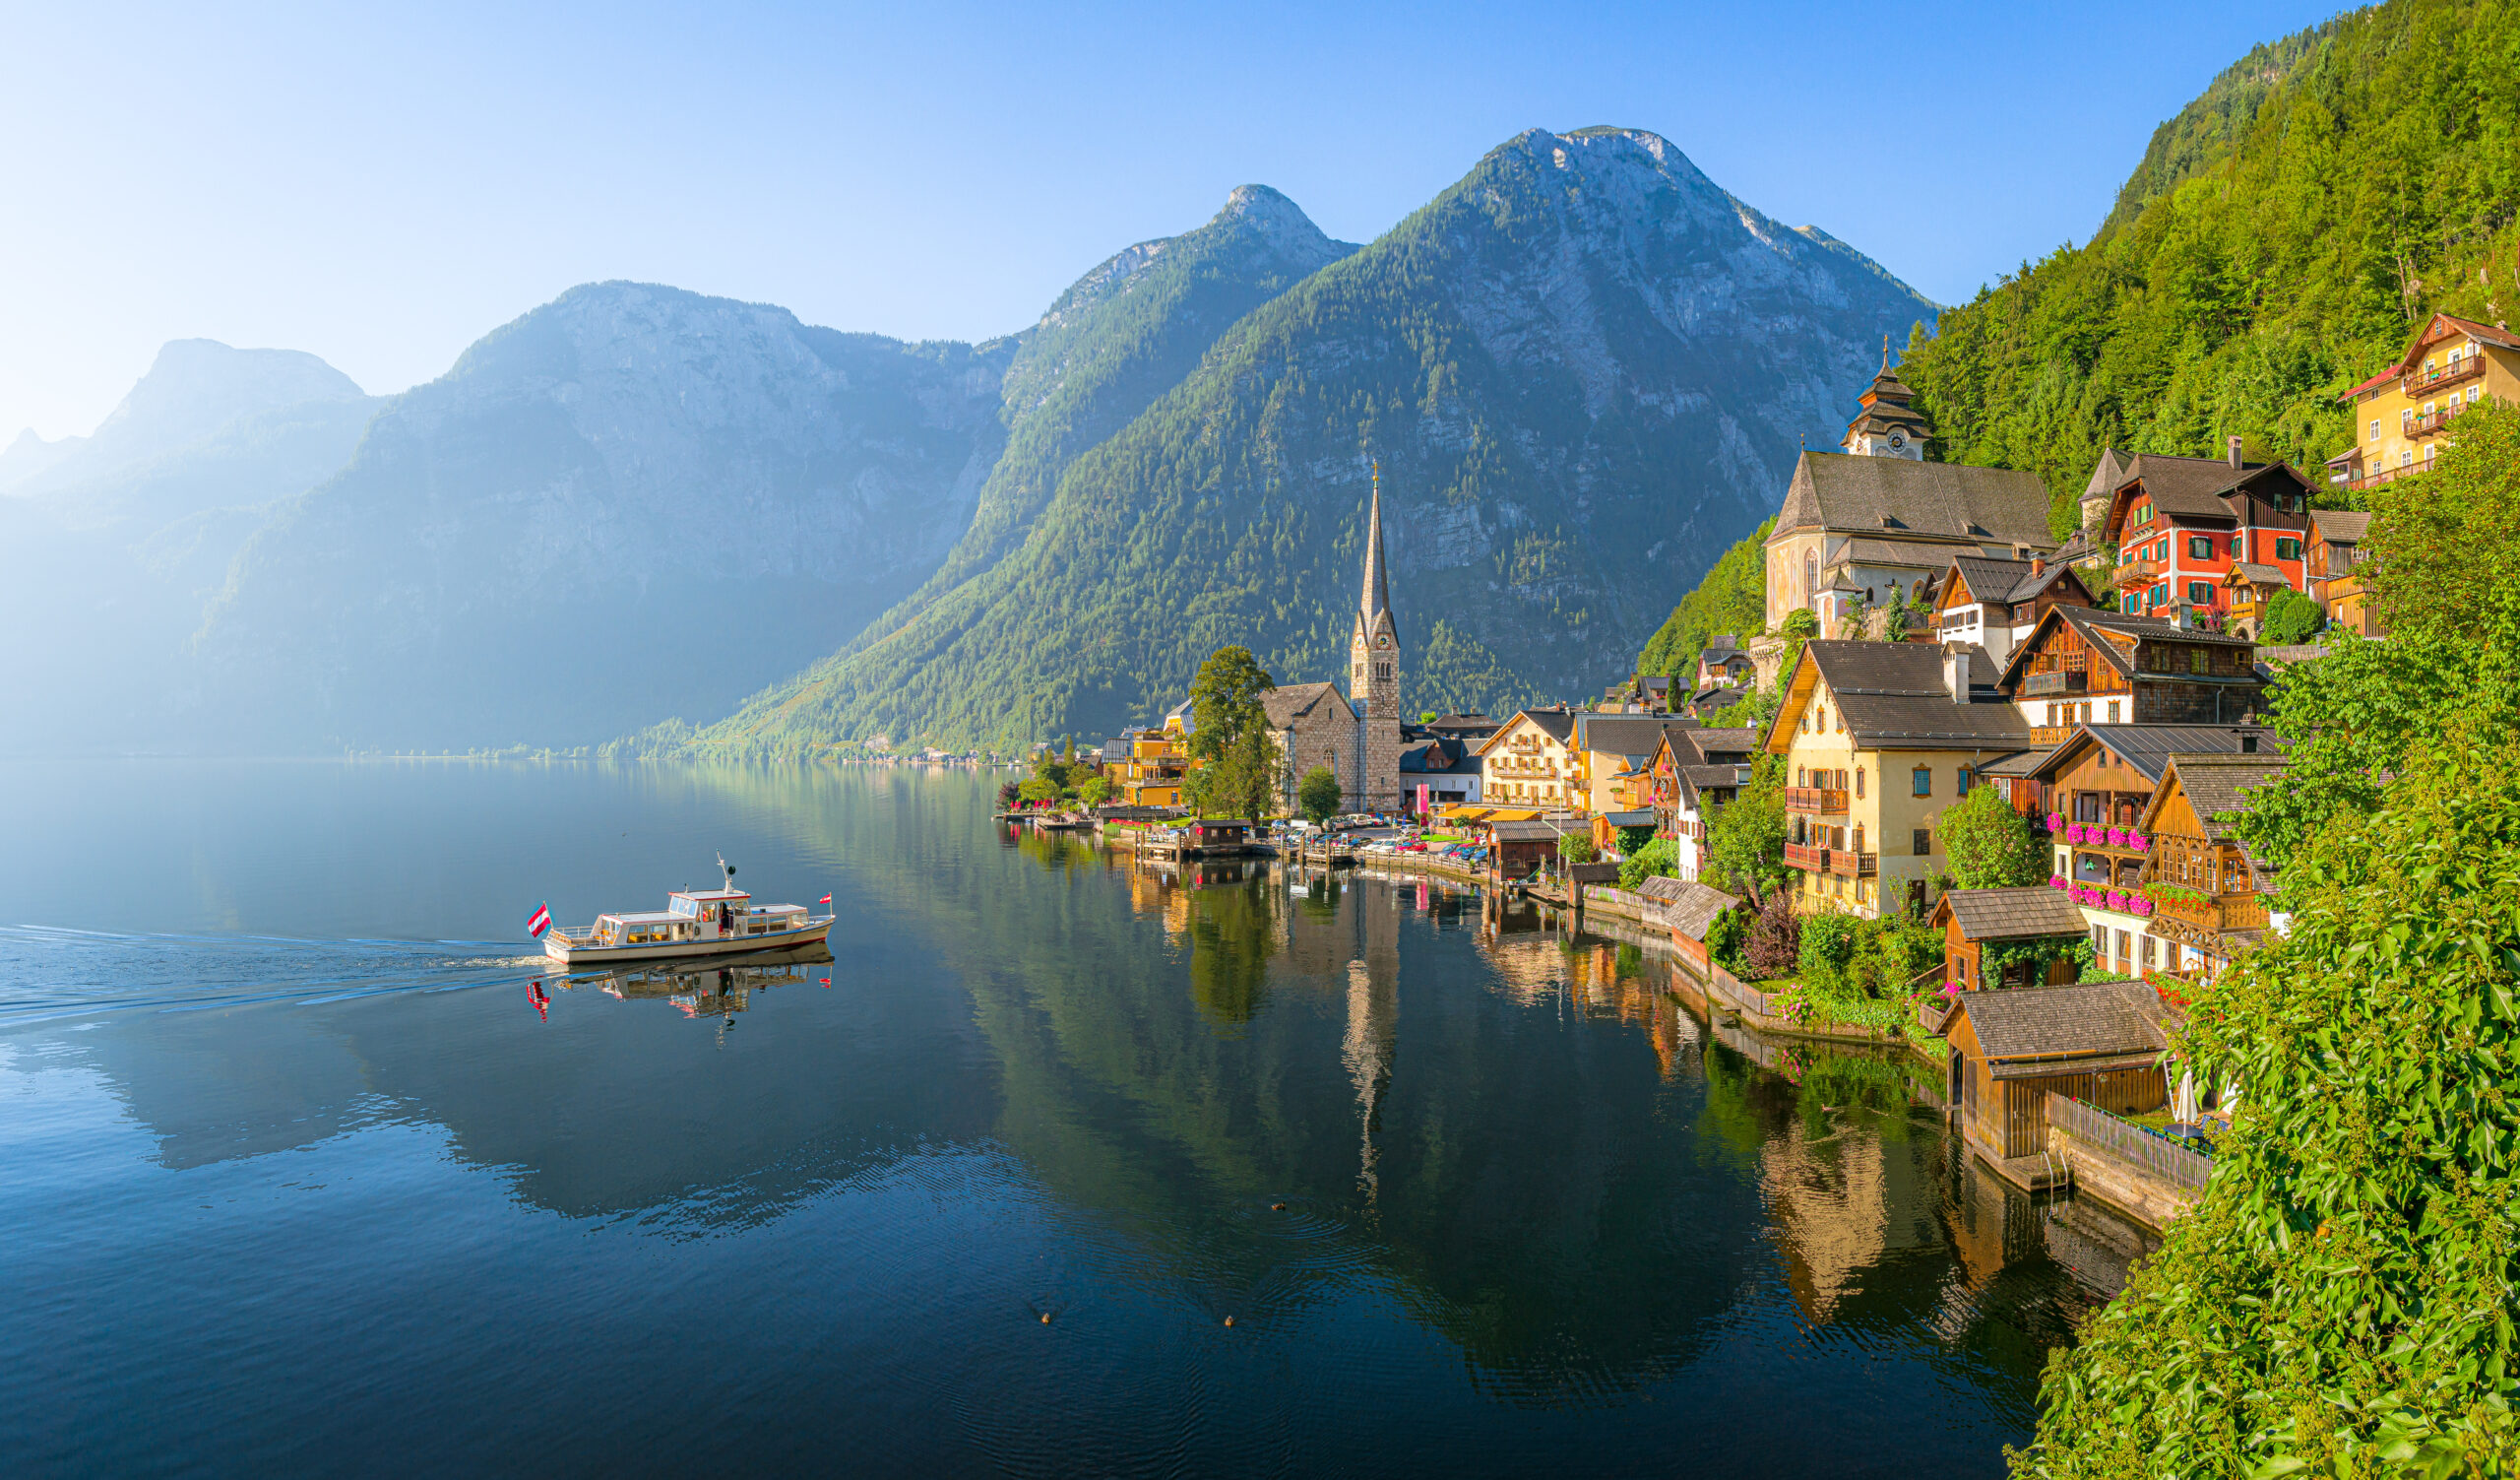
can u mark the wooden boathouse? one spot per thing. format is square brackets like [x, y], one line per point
[2100, 1043]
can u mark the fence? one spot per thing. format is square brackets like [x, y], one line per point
[2159, 1155]
[1723, 985]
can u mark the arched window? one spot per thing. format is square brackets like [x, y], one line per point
[1811, 578]
[1922, 780]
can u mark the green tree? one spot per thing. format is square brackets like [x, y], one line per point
[1040, 789]
[1731, 598]
[2290, 617]
[2340, 1302]
[1092, 791]
[1746, 837]
[1319, 795]
[1576, 847]
[1225, 702]
[1631, 839]
[1989, 845]
[1656, 858]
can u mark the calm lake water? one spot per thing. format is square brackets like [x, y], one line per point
[301, 1175]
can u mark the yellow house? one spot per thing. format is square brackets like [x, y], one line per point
[1530, 761]
[2402, 415]
[1878, 737]
[1151, 773]
[1614, 755]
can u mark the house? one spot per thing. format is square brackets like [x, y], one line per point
[1212, 837]
[1693, 773]
[1608, 825]
[2208, 897]
[2008, 938]
[1870, 521]
[2337, 552]
[1877, 738]
[1723, 665]
[1530, 761]
[1996, 603]
[2248, 589]
[1438, 771]
[1520, 847]
[2179, 528]
[1710, 704]
[2094, 789]
[2402, 414]
[2099, 1042]
[1146, 767]
[2080, 667]
[1688, 910]
[2115, 470]
[1611, 755]
[1657, 689]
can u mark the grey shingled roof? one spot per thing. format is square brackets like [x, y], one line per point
[1290, 702]
[2258, 575]
[2094, 1019]
[1893, 499]
[2218, 786]
[1622, 734]
[1893, 697]
[2090, 621]
[2149, 747]
[2014, 913]
[2341, 526]
[1541, 829]
[1712, 741]
[1636, 816]
[1687, 907]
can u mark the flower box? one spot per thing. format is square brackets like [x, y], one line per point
[2118, 837]
[2139, 842]
[2057, 882]
[2140, 905]
[2117, 901]
[2055, 824]
[2073, 832]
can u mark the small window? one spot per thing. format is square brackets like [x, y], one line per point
[1922, 782]
[2287, 549]
[1859, 783]
[2113, 711]
[2376, 428]
[2134, 604]
[2196, 660]
[2200, 593]
[2405, 418]
[1963, 789]
[1922, 841]
[2200, 547]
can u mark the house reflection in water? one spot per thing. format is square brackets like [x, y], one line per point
[702, 991]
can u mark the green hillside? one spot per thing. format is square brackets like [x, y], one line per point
[2280, 242]
[1583, 370]
[1732, 599]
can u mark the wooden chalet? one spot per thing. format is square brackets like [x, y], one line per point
[1993, 603]
[2080, 667]
[2031, 933]
[2100, 1042]
[1518, 846]
[2208, 897]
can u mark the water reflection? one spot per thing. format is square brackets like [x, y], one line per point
[704, 990]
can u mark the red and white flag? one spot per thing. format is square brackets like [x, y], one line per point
[826, 899]
[538, 922]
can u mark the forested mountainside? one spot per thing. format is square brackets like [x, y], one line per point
[2282, 238]
[631, 502]
[1733, 601]
[1585, 370]
[113, 546]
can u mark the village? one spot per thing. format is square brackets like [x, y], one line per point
[1971, 792]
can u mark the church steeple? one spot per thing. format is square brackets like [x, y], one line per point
[1373, 675]
[1377, 597]
[1887, 427]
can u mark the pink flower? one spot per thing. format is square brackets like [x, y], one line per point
[2055, 824]
[2055, 881]
[2139, 842]
[2117, 901]
[2141, 905]
[2073, 832]
[2118, 837]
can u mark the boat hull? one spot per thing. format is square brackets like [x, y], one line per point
[583, 953]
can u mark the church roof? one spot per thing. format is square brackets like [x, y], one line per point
[1894, 498]
[1290, 702]
[1378, 593]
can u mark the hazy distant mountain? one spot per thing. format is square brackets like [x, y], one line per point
[1586, 370]
[113, 546]
[630, 504]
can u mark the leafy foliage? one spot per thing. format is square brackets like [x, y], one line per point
[1319, 793]
[1092, 791]
[2290, 617]
[1773, 945]
[1657, 858]
[1576, 847]
[1989, 845]
[1731, 599]
[1746, 837]
[2281, 240]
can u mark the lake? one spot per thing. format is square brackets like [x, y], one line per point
[312, 1166]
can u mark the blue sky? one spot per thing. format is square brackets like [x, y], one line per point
[381, 184]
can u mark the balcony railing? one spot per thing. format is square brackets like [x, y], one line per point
[2467, 367]
[2062, 681]
[1825, 801]
[1851, 864]
[2425, 424]
[2138, 573]
[1810, 858]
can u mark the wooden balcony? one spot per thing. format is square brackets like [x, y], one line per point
[2225, 912]
[2041, 685]
[2416, 382]
[2424, 425]
[1849, 863]
[1820, 801]
[1810, 858]
[2139, 572]
[2389, 476]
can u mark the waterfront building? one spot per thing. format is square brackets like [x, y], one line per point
[1374, 678]
[1877, 738]
[1146, 767]
[2208, 895]
[1530, 761]
[2100, 1043]
[2402, 415]
[1993, 938]
[2096, 667]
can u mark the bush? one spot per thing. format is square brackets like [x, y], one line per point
[1576, 847]
[1631, 839]
[1659, 857]
[1725, 934]
[1009, 792]
[2290, 617]
[1773, 943]
[1991, 846]
[1827, 948]
[1319, 793]
[1092, 791]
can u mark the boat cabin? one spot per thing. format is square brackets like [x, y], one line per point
[698, 914]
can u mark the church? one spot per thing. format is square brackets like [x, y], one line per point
[1356, 735]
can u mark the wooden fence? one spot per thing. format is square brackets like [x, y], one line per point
[2156, 1154]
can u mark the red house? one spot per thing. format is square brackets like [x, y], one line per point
[2181, 527]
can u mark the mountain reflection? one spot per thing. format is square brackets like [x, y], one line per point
[1285, 1092]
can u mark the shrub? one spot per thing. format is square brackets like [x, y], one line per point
[1659, 858]
[1319, 793]
[2290, 617]
[1773, 943]
[1991, 846]
[1576, 847]
[1826, 948]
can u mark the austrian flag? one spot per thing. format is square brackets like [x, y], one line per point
[826, 899]
[538, 922]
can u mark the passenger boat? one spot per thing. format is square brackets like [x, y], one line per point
[694, 923]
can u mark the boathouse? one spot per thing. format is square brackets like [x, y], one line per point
[1211, 837]
[2008, 938]
[2100, 1043]
[1688, 910]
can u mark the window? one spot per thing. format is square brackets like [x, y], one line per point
[2144, 951]
[2406, 459]
[2113, 711]
[1922, 841]
[2161, 550]
[1963, 789]
[2406, 419]
[2134, 604]
[1859, 783]
[2099, 940]
[2200, 547]
[2376, 428]
[2287, 549]
[2196, 660]
[1922, 782]
[2200, 593]
[1858, 837]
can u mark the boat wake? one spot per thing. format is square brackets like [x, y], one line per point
[50, 972]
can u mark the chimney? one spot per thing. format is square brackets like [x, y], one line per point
[2234, 443]
[1955, 671]
[2038, 566]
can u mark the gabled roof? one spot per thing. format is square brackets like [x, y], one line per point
[2256, 574]
[2216, 787]
[1637, 735]
[2090, 621]
[1712, 741]
[1290, 702]
[1557, 724]
[1894, 498]
[2146, 748]
[2197, 491]
[2094, 1019]
[1686, 907]
[2034, 910]
[1697, 781]
[1539, 829]
[2341, 526]
[1893, 697]
[1444, 756]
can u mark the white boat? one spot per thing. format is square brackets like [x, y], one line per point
[694, 923]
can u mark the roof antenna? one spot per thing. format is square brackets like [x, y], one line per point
[730, 870]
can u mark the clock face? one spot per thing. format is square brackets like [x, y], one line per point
[1897, 441]
[1383, 641]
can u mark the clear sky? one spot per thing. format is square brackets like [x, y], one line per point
[381, 184]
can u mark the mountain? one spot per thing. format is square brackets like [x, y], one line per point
[631, 502]
[113, 544]
[2282, 238]
[1585, 370]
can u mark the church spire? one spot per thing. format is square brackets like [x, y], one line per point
[1377, 597]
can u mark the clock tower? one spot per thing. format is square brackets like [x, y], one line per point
[1887, 427]
[1374, 679]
